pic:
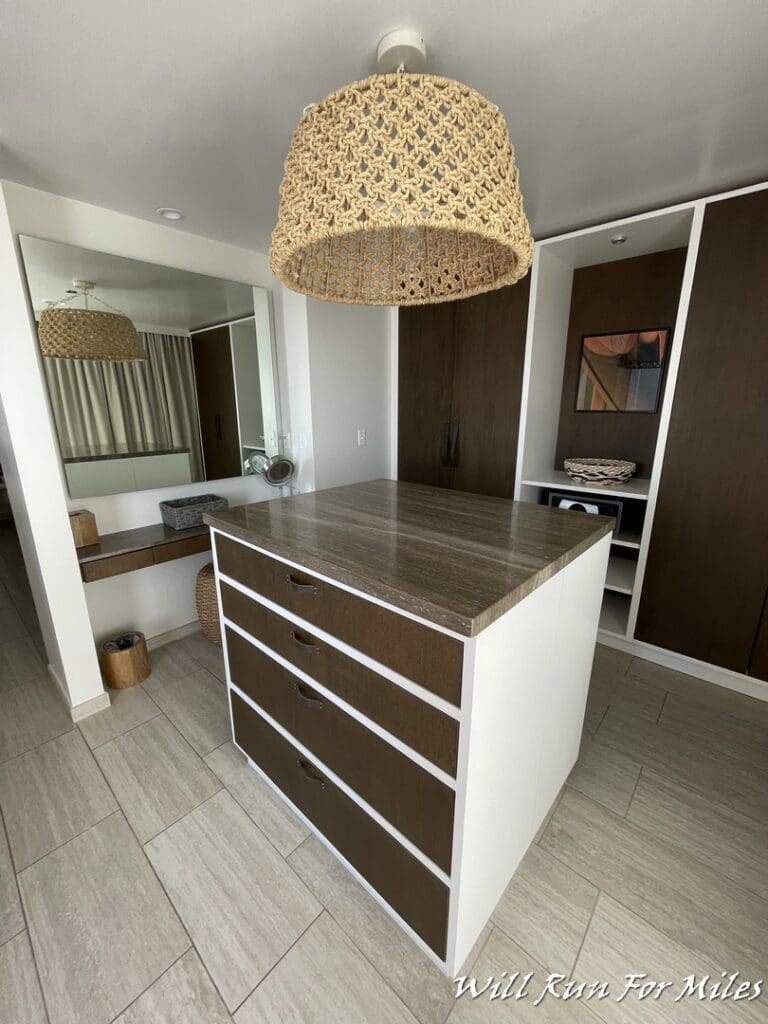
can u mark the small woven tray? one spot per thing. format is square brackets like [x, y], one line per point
[605, 472]
[184, 513]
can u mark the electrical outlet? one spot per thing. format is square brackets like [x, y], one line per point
[362, 437]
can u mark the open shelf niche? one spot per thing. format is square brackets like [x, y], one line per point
[539, 462]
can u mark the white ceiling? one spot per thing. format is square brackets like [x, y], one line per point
[613, 105]
[151, 295]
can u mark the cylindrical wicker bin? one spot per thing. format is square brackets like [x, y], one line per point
[207, 604]
[126, 667]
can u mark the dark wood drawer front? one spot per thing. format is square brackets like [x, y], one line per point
[115, 565]
[417, 724]
[411, 889]
[421, 654]
[181, 548]
[412, 800]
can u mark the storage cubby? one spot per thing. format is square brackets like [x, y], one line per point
[582, 283]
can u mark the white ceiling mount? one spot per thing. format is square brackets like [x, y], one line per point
[82, 286]
[402, 48]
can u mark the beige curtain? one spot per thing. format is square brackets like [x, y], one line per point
[104, 406]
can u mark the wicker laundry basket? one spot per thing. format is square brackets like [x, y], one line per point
[207, 605]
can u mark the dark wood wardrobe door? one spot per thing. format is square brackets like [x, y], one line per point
[425, 382]
[215, 384]
[707, 569]
[758, 664]
[487, 387]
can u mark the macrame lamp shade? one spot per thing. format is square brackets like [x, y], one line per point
[401, 190]
[105, 335]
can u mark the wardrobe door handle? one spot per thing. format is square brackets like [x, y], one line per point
[453, 458]
[298, 587]
[309, 776]
[219, 432]
[445, 444]
[307, 648]
[311, 702]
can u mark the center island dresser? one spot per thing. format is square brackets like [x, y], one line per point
[408, 667]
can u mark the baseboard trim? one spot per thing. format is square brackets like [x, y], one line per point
[79, 711]
[89, 707]
[688, 666]
[173, 634]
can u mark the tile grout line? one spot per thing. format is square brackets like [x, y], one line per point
[481, 950]
[166, 893]
[661, 709]
[279, 960]
[586, 930]
[634, 790]
[37, 745]
[26, 928]
[400, 998]
[661, 769]
[69, 840]
[149, 986]
[668, 846]
[118, 735]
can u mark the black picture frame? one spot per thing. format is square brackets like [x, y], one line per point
[664, 363]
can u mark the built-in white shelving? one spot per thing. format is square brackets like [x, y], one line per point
[614, 614]
[621, 575]
[636, 488]
[627, 538]
[555, 261]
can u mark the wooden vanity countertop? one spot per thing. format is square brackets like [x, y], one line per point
[455, 559]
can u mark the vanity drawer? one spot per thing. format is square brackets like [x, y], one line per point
[410, 888]
[413, 801]
[426, 656]
[417, 724]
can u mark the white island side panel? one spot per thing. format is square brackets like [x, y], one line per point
[525, 716]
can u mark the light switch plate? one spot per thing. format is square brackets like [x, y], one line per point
[362, 437]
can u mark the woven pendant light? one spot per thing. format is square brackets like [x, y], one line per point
[104, 335]
[401, 190]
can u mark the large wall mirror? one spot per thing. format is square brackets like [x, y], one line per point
[199, 399]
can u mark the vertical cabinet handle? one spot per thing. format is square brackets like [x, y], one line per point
[219, 431]
[309, 775]
[445, 444]
[453, 457]
[298, 587]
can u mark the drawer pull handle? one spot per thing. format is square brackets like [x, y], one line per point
[312, 702]
[308, 775]
[298, 587]
[303, 645]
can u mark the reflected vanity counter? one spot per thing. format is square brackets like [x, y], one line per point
[408, 667]
[115, 470]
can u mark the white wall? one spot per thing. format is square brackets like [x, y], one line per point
[35, 487]
[157, 599]
[335, 374]
[351, 366]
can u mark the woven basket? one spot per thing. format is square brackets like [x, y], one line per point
[207, 605]
[602, 472]
[184, 513]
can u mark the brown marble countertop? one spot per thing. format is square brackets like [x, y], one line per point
[458, 560]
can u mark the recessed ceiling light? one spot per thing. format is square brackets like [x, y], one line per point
[169, 213]
[618, 239]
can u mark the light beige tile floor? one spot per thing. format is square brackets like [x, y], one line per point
[654, 858]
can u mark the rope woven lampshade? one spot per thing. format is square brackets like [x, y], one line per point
[401, 190]
[68, 333]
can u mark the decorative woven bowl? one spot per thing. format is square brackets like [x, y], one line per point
[599, 472]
